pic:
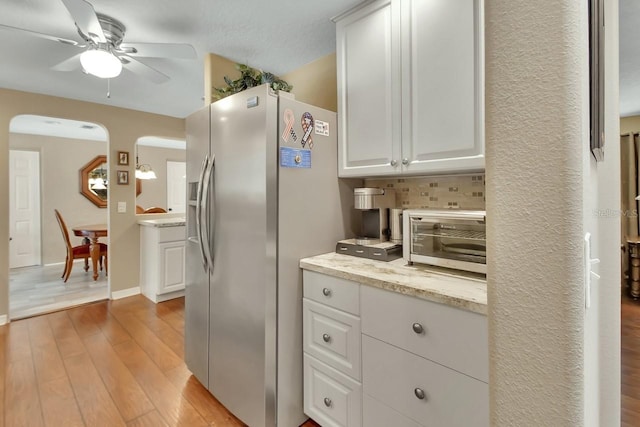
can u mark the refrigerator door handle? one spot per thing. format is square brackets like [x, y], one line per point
[210, 217]
[199, 209]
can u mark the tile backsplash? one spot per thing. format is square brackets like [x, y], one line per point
[436, 192]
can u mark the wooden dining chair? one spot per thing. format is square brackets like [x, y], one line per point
[78, 252]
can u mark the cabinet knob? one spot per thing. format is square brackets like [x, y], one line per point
[326, 337]
[327, 402]
[405, 161]
[394, 163]
[326, 292]
[419, 393]
[417, 328]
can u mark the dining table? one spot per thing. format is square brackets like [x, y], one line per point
[93, 232]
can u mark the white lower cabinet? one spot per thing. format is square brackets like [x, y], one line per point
[331, 398]
[424, 391]
[377, 414]
[392, 360]
[162, 262]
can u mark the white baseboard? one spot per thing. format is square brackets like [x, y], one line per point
[3, 319]
[125, 293]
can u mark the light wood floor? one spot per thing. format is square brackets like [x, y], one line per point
[111, 363]
[630, 378]
[120, 363]
[36, 290]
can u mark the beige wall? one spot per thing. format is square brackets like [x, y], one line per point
[124, 128]
[154, 191]
[60, 162]
[315, 83]
[629, 124]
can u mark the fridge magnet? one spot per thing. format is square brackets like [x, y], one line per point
[295, 158]
[123, 158]
[307, 127]
[123, 177]
[289, 121]
[321, 128]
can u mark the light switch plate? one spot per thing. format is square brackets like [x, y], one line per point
[122, 207]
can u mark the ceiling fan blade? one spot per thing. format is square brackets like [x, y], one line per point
[69, 64]
[86, 19]
[159, 50]
[42, 36]
[143, 70]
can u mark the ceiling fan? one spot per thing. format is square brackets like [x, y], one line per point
[104, 52]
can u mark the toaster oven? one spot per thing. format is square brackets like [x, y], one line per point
[446, 238]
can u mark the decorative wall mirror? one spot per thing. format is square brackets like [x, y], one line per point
[94, 181]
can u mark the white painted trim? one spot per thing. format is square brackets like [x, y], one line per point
[4, 320]
[125, 293]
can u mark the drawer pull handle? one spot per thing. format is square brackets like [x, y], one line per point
[327, 402]
[326, 337]
[360, 251]
[377, 254]
[419, 393]
[326, 292]
[417, 328]
[343, 248]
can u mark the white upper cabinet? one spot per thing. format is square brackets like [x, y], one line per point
[410, 88]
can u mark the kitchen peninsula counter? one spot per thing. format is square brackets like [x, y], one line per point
[467, 291]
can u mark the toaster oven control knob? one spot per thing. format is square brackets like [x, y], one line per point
[418, 328]
[394, 163]
[326, 337]
[419, 393]
[405, 161]
[326, 292]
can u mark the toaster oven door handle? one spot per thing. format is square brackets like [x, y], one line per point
[444, 218]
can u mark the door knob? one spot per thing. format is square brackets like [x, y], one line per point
[326, 337]
[326, 292]
[327, 402]
[394, 163]
[405, 161]
[419, 393]
[417, 328]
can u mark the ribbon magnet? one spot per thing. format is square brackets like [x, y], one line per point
[307, 128]
[289, 120]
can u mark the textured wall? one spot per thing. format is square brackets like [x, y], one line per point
[536, 131]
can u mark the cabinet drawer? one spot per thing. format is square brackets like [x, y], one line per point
[332, 336]
[396, 377]
[377, 414]
[332, 291]
[171, 234]
[450, 336]
[330, 397]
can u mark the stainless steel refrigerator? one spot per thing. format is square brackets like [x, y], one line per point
[263, 193]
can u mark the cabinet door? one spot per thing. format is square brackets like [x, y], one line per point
[172, 271]
[368, 62]
[442, 86]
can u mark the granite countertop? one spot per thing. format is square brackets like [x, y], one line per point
[465, 291]
[162, 222]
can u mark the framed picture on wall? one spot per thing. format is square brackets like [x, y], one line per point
[123, 177]
[123, 158]
[596, 77]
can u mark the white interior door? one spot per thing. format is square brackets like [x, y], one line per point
[24, 208]
[176, 186]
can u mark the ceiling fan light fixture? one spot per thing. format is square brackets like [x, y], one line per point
[101, 63]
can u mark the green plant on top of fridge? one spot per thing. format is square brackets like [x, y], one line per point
[250, 77]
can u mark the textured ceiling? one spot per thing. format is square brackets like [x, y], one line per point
[276, 35]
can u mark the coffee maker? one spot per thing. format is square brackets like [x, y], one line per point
[375, 205]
